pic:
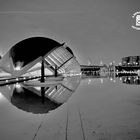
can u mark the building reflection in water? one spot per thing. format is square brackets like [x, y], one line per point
[28, 98]
[40, 78]
[45, 80]
[131, 80]
[25, 95]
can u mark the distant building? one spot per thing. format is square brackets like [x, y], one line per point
[132, 61]
[94, 71]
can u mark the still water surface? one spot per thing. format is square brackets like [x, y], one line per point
[99, 110]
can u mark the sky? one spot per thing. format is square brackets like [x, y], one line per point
[95, 30]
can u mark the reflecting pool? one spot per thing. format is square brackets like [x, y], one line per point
[105, 108]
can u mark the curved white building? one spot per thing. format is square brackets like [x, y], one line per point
[45, 63]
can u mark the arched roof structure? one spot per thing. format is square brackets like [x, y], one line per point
[30, 49]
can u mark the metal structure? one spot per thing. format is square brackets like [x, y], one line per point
[49, 71]
[47, 67]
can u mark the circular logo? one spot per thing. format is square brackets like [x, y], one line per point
[136, 17]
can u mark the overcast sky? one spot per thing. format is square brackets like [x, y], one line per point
[94, 29]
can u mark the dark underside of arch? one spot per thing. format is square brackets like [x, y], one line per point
[30, 49]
